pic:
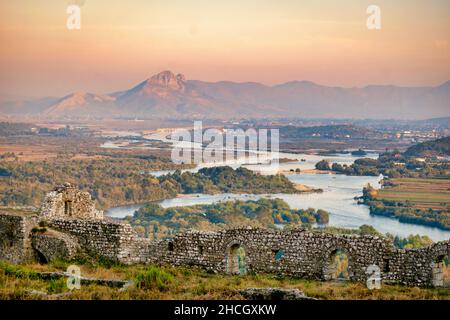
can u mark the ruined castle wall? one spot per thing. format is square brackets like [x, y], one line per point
[55, 245]
[304, 253]
[68, 202]
[111, 239]
[416, 266]
[298, 252]
[15, 240]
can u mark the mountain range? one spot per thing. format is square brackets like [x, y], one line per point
[170, 96]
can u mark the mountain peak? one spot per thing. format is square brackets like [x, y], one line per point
[168, 79]
[160, 84]
[169, 95]
[78, 99]
[445, 85]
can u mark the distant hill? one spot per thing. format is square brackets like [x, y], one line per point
[171, 96]
[440, 147]
[440, 122]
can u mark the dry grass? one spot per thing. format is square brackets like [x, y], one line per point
[38, 148]
[184, 283]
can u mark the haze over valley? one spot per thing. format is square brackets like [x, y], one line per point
[171, 96]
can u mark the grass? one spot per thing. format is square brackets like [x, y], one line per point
[154, 282]
[420, 193]
[154, 277]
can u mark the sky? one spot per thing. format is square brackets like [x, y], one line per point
[122, 43]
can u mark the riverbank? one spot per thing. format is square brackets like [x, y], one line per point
[337, 197]
[419, 201]
[305, 189]
[311, 171]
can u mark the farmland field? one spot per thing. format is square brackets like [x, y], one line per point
[418, 193]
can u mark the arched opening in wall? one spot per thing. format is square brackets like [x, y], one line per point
[170, 246]
[441, 272]
[386, 265]
[337, 266]
[68, 208]
[40, 257]
[236, 260]
[278, 254]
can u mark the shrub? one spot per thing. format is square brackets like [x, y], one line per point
[323, 165]
[367, 162]
[59, 264]
[152, 278]
[18, 271]
[322, 216]
[43, 223]
[359, 152]
[108, 263]
[38, 230]
[56, 285]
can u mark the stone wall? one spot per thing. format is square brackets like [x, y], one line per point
[304, 254]
[68, 202]
[416, 266]
[55, 245]
[15, 241]
[298, 252]
[107, 238]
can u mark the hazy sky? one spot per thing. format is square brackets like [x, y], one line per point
[271, 41]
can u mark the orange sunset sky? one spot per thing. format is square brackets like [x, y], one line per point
[271, 41]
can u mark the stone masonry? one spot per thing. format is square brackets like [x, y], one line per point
[66, 201]
[15, 237]
[79, 227]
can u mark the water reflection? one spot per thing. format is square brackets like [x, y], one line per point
[337, 198]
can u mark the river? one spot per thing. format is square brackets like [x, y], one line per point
[337, 198]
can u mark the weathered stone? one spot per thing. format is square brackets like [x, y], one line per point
[15, 240]
[55, 245]
[68, 202]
